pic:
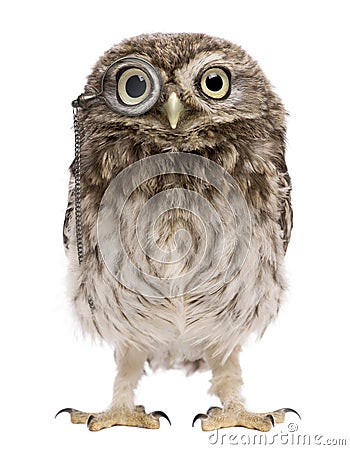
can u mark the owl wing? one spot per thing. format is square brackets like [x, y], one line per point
[286, 217]
[67, 225]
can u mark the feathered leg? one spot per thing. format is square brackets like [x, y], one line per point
[226, 384]
[122, 410]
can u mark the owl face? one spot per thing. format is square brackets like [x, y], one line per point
[177, 84]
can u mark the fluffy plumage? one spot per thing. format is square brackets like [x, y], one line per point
[244, 133]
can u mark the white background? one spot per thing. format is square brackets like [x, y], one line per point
[47, 50]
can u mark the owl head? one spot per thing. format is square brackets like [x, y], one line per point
[182, 91]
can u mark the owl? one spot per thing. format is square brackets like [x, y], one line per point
[178, 218]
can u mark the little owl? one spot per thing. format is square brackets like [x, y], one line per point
[178, 217]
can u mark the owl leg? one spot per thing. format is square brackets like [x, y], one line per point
[122, 410]
[226, 384]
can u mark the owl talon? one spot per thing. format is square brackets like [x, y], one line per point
[213, 408]
[158, 414]
[76, 416]
[236, 416]
[68, 410]
[89, 420]
[286, 410]
[140, 408]
[199, 416]
[136, 417]
[270, 416]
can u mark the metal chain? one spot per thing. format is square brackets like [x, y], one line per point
[77, 185]
[77, 195]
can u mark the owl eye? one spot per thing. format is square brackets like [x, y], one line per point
[215, 83]
[131, 86]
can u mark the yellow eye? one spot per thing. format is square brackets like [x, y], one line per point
[215, 83]
[133, 86]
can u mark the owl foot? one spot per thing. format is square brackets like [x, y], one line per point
[136, 417]
[232, 416]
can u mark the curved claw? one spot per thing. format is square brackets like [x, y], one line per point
[68, 410]
[158, 414]
[89, 420]
[286, 410]
[270, 416]
[212, 409]
[140, 408]
[199, 416]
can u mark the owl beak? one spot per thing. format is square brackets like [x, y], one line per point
[173, 109]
